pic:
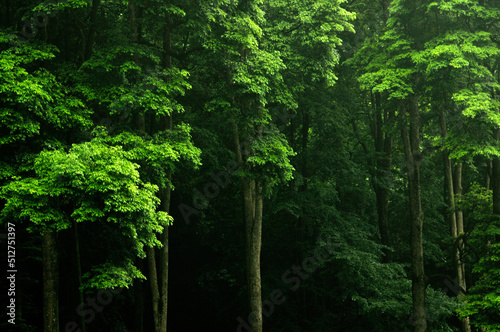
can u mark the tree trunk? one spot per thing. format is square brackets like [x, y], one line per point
[453, 183]
[495, 180]
[487, 175]
[253, 234]
[139, 300]
[382, 196]
[457, 186]
[163, 254]
[89, 41]
[413, 156]
[79, 272]
[158, 274]
[50, 283]
[252, 205]
[159, 282]
[160, 301]
[385, 165]
[382, 167]
[305, 155]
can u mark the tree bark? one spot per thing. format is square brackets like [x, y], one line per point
[495, 182]
[413, 156]
[89, 41]
[157, 260]
[163, 253]
[139, 300]
[253, 234]
[457, 186]
[495, 185]
[252, 206]
[159, 282]
[487, 175]
[383, 149]
[50, 283]
[160, 301]
[453, 183]
[382, 197]
[495, 179]
[79, 272]
[379, 169]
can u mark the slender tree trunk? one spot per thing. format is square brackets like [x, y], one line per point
[305, 152]
[159, 281]
[382, 196]
[50, 283]
[89, 41]
[495, 185]
[495, 182]
[457, 186]
[495, 179]
[157, 260]
[163, 254]
[252, 205]
[253, 234]
[383, 163]
[451, 205]
[139, 300]
[160, 301]
[386, 166]
[155, 291]
[413, 156]
[453, 183]
[79, 272]
[487, 176]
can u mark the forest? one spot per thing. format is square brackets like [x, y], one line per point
[250, 165]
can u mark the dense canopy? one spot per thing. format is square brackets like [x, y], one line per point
[250, 165]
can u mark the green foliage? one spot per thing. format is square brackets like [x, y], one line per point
[440, 308]
[106, 276]
[483, 299]
[270, 158]
[112, 77]
[306, 34]
[482, 302]
[32, 99]
[157, 155]
[210, 67]
[91, 182]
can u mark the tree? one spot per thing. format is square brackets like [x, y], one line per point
[92, 182]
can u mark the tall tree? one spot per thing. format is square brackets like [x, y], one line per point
[392, 71]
